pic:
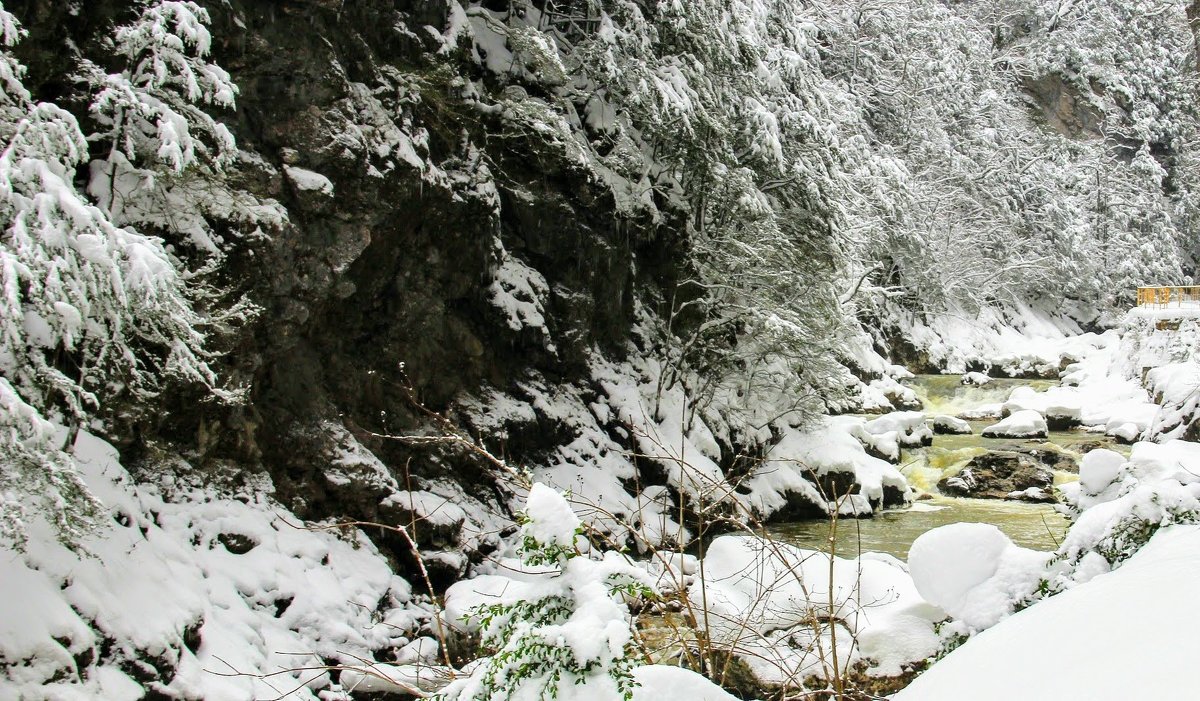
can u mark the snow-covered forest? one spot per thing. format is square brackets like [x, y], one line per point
[599, 349]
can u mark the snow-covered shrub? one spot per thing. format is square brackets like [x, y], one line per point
[558, 628]
[1119, 505]
[791, 613]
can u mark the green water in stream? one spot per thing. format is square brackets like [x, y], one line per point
[1036, 526]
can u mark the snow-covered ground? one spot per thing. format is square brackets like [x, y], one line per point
[770, 603]
[1129, 634]
[206, 589]
[251, 595]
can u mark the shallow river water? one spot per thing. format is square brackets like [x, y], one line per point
[1036, 526]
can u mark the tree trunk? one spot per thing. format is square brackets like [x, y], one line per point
[1193, 17]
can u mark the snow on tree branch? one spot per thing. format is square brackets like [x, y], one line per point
[89, 311]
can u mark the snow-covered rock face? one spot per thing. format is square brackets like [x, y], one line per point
[1021, 424]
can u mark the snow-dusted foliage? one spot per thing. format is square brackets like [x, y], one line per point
[149, 109]
[1011, 149]
[161, 154]
[89, 310]
[558, 628]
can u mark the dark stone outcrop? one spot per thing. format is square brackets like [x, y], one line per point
[1002, 475]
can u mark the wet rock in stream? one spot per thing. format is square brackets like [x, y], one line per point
[1003, 475]
[1047, 454]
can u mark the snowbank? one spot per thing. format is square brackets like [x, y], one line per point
[1125, 635]
[193, 585]
[762, 597]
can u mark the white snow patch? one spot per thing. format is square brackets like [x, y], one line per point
[309, 181]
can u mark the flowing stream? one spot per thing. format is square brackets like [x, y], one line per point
[1036, 526]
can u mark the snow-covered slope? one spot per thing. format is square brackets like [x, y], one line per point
[1129, 634]
[195, 591]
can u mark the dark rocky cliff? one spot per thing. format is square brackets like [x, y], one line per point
[376, 299]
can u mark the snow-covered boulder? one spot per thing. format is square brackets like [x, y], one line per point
[1062, 416]
[973, 572]
[1061, 406]
[884, 446]
[1002, 475]
[950, 425]
[898, 396]
[1026, 423]
[1126, 433]
[799, 470]
[1021, 398]
[909, 427]
[1099, 469]
[976, 379]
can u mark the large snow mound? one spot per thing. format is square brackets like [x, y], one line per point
[973, 571]
[1129, 634]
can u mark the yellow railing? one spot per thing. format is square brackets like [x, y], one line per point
[1162, 296]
